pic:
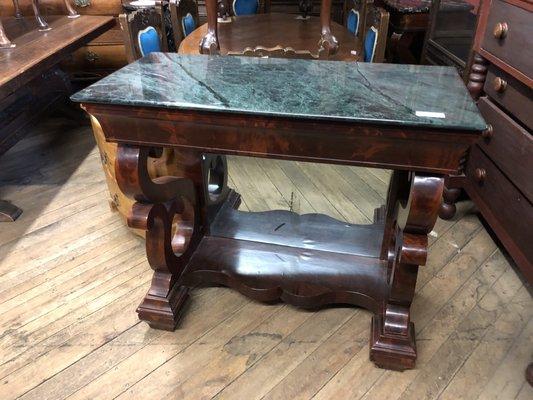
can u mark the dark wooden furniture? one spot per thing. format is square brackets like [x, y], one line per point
[450, 34]
[97, 58]
[499, 174]
[31, 81]
[274, 32]
[296, 110]
[375, 38]
[327, 42]
[139, 22]
[407, 27]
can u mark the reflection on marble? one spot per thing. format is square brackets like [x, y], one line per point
[411, 95]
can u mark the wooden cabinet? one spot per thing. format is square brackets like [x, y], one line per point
[499, 173]
[99, 57]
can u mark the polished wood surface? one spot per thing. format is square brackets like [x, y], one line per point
[194, 235]
[472, 313]
[273, 30]
[36, 52]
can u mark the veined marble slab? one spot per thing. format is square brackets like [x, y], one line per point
[392, 94]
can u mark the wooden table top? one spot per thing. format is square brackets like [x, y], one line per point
[271, 30]
[36, 51]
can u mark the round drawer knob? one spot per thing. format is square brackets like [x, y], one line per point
[480, 174]
[500, 84]
[500, 30]
[488, 133]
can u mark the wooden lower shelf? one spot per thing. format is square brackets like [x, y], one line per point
[309, 261]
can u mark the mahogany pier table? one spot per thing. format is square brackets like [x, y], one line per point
[417, 120]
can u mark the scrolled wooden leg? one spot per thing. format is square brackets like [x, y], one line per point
[43, 25]
[412, 210]
[328, 42]
[209, 43]
[72, 13]
[18, 13]
[167, 209]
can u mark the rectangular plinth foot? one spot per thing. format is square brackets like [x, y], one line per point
[163, 312]
[9, 212]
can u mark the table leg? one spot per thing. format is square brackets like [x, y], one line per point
[327, 42]
[43, 25]
[5, 43]
[412, 208]
[209, 43]
[72, 13]
[8, 211]
[175, 213]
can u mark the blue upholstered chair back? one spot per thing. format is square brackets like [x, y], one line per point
[352, 21]
[143, 32]
[369, 45]
[245, 7]
[148, 41]
[376, 27]
[184, 15]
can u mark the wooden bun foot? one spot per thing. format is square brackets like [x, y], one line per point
[392, 351]
[163, 312]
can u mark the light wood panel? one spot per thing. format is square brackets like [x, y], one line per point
[71, 276]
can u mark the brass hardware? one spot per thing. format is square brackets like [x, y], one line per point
[480, 174]
[500, 84]
[500, 30]
[92, 57]
[488, 133]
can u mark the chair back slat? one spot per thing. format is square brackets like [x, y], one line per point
[376, 30]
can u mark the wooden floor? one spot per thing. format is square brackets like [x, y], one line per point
[71, 276]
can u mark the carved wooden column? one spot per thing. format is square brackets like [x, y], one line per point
[412, 208]
[209, 43]
[327, 42]
[454, 183]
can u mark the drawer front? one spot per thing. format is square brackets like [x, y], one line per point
[509, 146]
[509, 34]
[504, 207]
[112, 36]
[511, 94]
[90, 60]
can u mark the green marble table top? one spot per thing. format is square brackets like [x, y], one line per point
[391, 94]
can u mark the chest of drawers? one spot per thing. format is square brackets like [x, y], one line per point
[499, 172]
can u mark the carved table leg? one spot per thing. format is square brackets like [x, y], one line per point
[327, 42]
[412, 208]
[9, 212]
[174, 212]
[72, 13]
[5, 43]
[209, 43]
[43, 25]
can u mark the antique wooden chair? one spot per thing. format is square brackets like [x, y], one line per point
[144, 32]
[242, 7]
[376, 28]
[354, 12]
[184, 16]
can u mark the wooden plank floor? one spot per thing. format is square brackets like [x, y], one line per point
[71, 276]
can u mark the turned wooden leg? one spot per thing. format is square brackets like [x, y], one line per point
[43, 25]
[9, 212]
[167, 209]
[72, 13]
[412, 208]
[477, 76]
[5, 43]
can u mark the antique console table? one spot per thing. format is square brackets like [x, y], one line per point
[417, 120]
